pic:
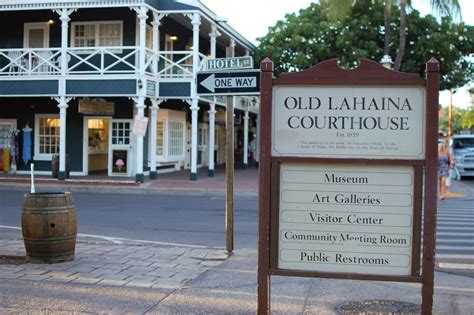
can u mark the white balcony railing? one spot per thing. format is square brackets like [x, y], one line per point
[27, 62]
[97, 61]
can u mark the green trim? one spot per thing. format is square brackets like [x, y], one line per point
[211, 173]
[193, 177]
[153, 175]
[140, 178]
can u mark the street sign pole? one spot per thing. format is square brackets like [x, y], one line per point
[229, 168]
[229, 171]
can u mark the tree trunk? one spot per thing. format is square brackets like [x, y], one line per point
[402, 36]
[387, 20]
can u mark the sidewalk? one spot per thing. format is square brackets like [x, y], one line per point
[138, 278]
[245, 182]
[114, 277]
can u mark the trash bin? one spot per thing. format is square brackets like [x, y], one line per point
[49, 226]
[55, 165]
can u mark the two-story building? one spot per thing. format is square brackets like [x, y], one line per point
[109, 86]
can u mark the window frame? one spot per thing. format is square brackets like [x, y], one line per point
[180, 156]
[37, 154]
[97, 25]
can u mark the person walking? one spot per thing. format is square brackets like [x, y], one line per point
[445, 163]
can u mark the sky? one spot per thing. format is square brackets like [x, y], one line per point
[252, 18]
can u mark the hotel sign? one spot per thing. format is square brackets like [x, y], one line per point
[232, 63]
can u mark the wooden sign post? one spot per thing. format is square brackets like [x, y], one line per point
[344, 154]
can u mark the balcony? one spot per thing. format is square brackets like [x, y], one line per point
[101, 61]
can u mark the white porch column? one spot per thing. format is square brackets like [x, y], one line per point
[64, 17]
[196, 22]
[213, 36]
[156, 38]
[62, 100]
[155, 41]
[212, 136]
[62, 105]
[246, 139]
[212, 112]
[139, 177]
[155, 103]
[141, 86]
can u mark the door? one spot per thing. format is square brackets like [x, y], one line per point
[96, 145]
[120, 147]
[36, 35]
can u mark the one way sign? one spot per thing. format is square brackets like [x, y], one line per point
[228, 83]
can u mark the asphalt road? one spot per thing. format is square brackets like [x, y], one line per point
[200, 220]
[196, 220]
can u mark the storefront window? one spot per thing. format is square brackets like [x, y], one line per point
[176, 138]
[121, 133]
[46, 136]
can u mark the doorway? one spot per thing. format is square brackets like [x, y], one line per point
[36, 35]
[96, 145]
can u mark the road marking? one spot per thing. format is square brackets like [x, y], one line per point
[456, 266]
[453, 256]
[465, 248]
[455, 240]
[120, 240]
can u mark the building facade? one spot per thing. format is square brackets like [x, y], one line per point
[109, 87]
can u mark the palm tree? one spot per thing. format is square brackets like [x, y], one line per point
[442, 7]
[340, 9]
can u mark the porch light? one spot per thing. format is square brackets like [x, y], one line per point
[254, 101]
[139, 83]
[50, 22]
[174, 37]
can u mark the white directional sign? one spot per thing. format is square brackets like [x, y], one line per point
[228, 83]
[336, 218]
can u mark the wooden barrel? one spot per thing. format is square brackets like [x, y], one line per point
[49, 227]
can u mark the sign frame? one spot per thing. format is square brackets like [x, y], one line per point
[367, 74]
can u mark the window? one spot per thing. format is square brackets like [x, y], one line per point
[121, 133]
[46, 136]
[202, 136]
[92, 34]
[176, 138]
[159, 138]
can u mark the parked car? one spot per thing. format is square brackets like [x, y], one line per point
[462, 147]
